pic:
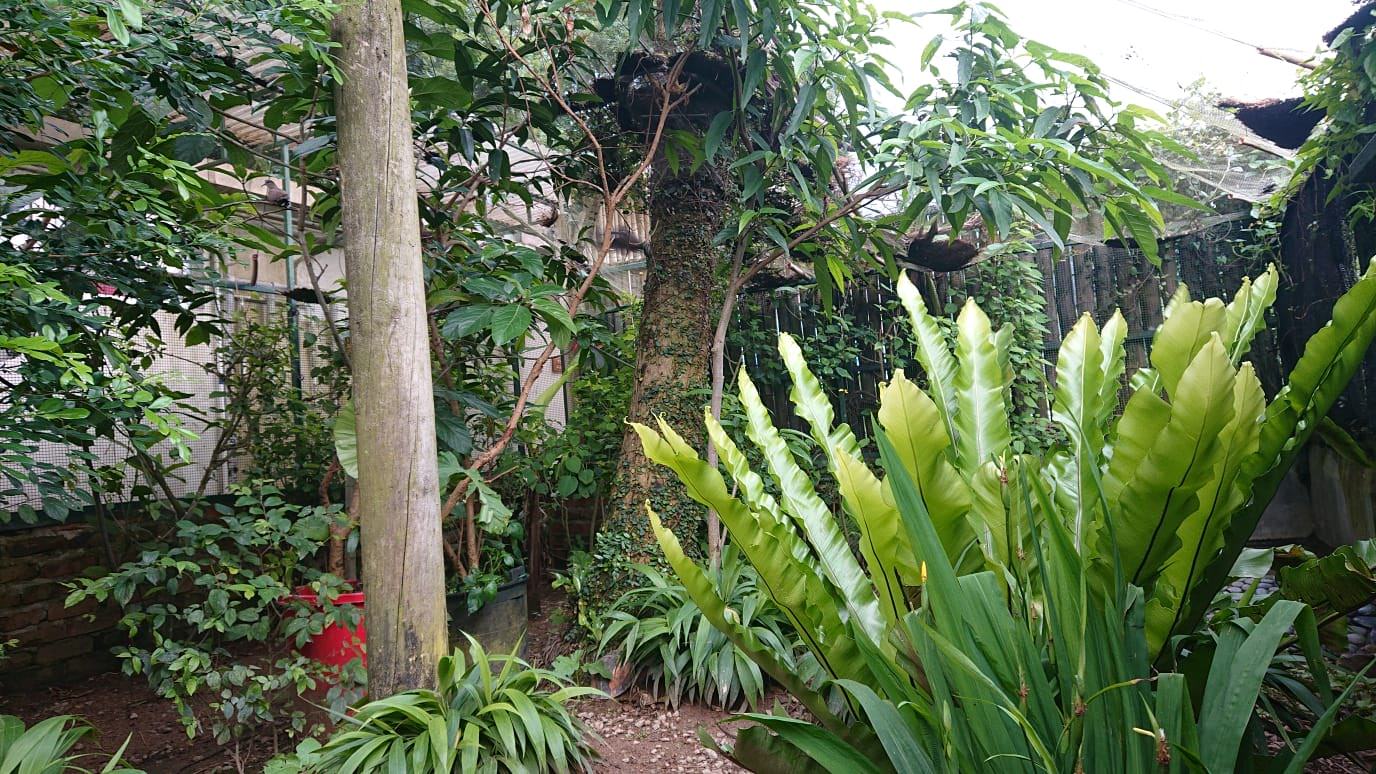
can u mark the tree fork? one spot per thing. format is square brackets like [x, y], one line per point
[403, 565]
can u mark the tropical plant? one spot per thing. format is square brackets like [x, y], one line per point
[659, 632]
[573, 581]
[490, 713]
[225, 579]
[103, 203]
[277, 418]
[1010, 610]
[798, 159]
[46, 747]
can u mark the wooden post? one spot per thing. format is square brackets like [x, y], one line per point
[398, 499]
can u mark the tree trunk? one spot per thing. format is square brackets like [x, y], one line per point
[398, 498]
[680, 305]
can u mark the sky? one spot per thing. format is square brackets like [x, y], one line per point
[1162, 46]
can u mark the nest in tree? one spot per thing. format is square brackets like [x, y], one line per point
[636, 90]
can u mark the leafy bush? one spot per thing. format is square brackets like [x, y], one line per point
[578, 461]
[46, 748]
[491, 714]
[573, 583]
[662, 635]
[1015, 611]
[281, 427]
[224, 582]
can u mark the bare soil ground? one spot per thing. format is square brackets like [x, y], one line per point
[634, 733]
[119, 707]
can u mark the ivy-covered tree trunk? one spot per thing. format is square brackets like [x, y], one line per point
[398, 487]
[671, 378]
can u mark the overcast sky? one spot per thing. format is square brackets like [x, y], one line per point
[1162, 46]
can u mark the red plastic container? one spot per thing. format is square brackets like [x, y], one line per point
[336, 645]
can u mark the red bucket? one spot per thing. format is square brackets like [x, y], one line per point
[336, 645]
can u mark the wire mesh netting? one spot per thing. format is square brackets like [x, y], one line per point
[196, 372]
[868, 332]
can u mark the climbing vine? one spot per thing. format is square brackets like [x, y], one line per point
[853, 348]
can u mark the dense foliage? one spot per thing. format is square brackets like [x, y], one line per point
[1047, 587]
[490, 713]
[658, 632]
[225, 579]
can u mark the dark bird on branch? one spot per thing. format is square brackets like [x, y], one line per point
[626, 239]
[947, 255]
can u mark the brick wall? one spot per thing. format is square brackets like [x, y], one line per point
[55, 643]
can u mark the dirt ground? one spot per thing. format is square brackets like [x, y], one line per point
[633, 734]
[119, 707]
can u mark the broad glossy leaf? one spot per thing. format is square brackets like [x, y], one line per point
[1163, 488]
[981, 386]
[933, 354]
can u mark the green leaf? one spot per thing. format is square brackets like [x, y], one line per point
[714, 608]
[466, 320]
[716, 132]
[828, 749]
[1163, 489]
[509, 323]
[1331, 357]
[899, 738]
[933, 354]
[1235, 677]
[346, 439]
[981, 385]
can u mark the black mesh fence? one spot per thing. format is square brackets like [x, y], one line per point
[866, 338]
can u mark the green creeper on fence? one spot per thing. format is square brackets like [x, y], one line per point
[1008, 608]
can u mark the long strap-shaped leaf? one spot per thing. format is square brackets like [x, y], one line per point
[1235, 677]
[982, 430]
[933, 354]
[813, 517]
[714, 608]
[1113, 358]
[913, 424]
[1077, 408]
[1163, 489]
[796, 586]
[1201, 533]
[1246, 315]
[1331, 357]
[882, 541]
[748, 482]
[812, 404]
[861, 492]
[1181, 337]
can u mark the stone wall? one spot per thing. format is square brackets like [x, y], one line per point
[54, 643]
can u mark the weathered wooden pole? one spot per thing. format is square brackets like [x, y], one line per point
[403, 565]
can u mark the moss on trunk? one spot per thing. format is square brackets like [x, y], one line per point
[682, 294]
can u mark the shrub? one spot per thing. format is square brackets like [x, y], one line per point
[46, 748]
[1016, 612]
[573, 582]
[490, 713]
[195, 605]
[661, 634]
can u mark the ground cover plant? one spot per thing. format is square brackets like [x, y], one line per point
[489, 713]
[212, 611]
[46, 747]
[1015, 612]
[659, 633]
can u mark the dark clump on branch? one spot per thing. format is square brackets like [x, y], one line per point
[636, 90]
[948, 255]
